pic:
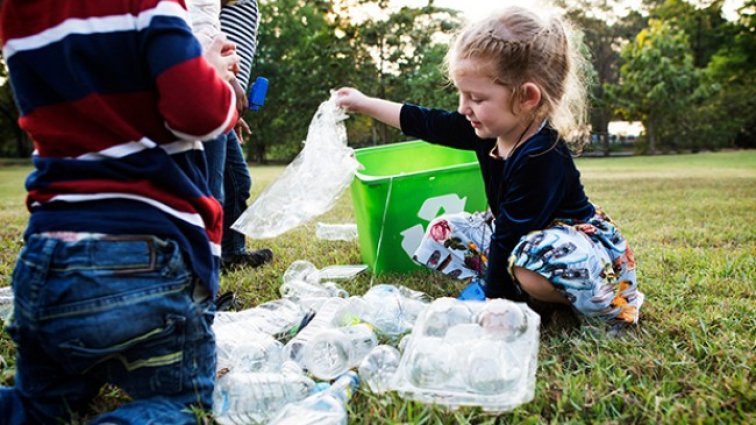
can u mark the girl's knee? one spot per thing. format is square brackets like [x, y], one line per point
[538, 287]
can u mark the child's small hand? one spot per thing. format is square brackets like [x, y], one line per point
[222, 56]
[242, 103]
[350, 99]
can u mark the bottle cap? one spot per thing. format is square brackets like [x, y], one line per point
[257, 94]
[473, 291]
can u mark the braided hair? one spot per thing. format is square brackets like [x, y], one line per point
[519, 46]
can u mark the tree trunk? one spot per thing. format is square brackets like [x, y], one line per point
[651, 137]
[600, 123]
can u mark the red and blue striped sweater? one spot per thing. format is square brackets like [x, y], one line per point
[116, 97]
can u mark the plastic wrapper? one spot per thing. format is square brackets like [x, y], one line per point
[311, 184]
[471, 353]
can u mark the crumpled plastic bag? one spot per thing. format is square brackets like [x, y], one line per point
[311, 184]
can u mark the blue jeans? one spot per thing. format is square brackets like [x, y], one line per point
[230, 183]
[124, 310]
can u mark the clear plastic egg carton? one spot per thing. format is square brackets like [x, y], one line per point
[471, 353]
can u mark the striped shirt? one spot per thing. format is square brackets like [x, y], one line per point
[239, 21]
[116, 96]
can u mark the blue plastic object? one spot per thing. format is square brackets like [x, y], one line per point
[473, 291]
[257, 94]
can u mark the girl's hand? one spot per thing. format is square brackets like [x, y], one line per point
[383, 110]
[351, 99]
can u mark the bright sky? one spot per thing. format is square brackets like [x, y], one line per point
[477, 9]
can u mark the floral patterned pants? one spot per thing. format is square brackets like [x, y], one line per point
[589, 262]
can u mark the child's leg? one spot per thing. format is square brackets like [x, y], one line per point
[538, 287]
[123, 310]
[237, 183]
[45, 391]
[589, 264]
[215, 154]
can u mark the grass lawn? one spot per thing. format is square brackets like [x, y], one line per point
[692, 222]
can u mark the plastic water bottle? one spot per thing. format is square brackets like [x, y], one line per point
[378, 367]
[261, 354]
[6, 302]
[301, 282]
[327, 407]
[331, 314]
[279, 318]
[393, 310]
[301, 270]
[334, 351]
[336, 232]
[241, 398]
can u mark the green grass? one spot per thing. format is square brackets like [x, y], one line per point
[692, 222]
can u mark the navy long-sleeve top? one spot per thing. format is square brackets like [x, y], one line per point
[537, 184]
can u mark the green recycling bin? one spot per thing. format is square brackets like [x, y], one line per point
[404, 186]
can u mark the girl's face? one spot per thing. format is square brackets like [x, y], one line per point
[484, 103]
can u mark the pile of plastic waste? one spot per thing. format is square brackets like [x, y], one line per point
[275, 361]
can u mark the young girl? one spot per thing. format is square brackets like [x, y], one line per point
[520, 96]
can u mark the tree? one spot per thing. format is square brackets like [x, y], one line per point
[307, 48]
[13, 140]
[706, 27]
[603, 33]
[727, 116]
[656, 82]
[303, 55]
[407, 56]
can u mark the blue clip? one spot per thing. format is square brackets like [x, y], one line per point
[257, 94]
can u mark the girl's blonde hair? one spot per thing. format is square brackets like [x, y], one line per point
[523, 47]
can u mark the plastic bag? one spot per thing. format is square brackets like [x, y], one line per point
[311, 184]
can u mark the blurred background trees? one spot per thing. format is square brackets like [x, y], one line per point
[678, 66]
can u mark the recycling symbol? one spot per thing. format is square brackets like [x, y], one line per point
[431, 208]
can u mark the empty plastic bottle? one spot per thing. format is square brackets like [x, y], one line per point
[378, 367]
[334, 351]
[261, 354]
[327, 407]
[393, 310]
[243, 398]
[336, 232]
[331, 314]
[279, 318]
[6, 302]
[301, 270]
